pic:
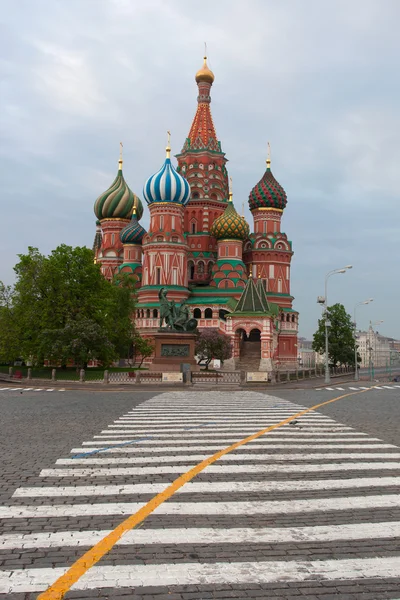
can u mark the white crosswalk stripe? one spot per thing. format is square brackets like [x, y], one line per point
[316, 481]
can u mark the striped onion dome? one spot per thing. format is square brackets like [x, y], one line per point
[267, 193]
[118, 201]
[230, 225]
[167, 185]
[132, 233]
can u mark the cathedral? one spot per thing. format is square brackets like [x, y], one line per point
[200, 248]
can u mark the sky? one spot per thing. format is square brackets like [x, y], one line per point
[318, 80]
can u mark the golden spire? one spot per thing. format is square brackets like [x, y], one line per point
[168, 148]
[230, 190]
[120, 156]
[242, 210]
[250, 270]
[269, 156]
[205, 74]
[134, 210]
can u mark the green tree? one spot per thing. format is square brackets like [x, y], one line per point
[54, 292]
[143, 348]
[340, 336]
[81, 341]
[210, 344]
[8, 326]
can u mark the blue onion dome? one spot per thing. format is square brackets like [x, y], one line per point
[118, 200]
[132, 233]
[167, 185]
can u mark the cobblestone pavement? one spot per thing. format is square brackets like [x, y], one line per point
[309, 510]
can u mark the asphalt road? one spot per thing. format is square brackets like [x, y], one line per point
[309, 510]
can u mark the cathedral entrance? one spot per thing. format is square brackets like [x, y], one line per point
[250, 350]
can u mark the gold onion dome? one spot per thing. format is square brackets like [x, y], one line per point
[230, 225]
[205, 74]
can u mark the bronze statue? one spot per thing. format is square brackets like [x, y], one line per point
[177, 318]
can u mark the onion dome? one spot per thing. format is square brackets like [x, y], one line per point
[118, 201]
[205, 74]
[267, 193]
[230, 225]
[132, 233]
[167, 185]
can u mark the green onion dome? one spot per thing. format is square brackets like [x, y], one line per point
[118, 201]
[267, 193]
[132, 233]
[230, 225]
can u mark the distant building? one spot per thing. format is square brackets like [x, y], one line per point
[306, 356]
[376, 349]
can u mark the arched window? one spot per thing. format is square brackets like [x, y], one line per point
[222, 313]
[148, 313]
[195, 195]
[191, 269]
[155, 313]
[200, 267]
[293, 319]
[282, 317]
[197, 313]
[193, 227]
[208, 313]
[288, 318]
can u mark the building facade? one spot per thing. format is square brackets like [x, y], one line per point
[377, 350]
[202, 250]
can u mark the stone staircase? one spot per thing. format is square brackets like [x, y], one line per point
[250, 356]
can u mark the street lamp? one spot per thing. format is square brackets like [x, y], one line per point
[356, 371]
[327, 322]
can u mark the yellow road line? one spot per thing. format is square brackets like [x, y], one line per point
[60, 587]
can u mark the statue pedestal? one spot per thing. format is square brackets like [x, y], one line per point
[172, 349]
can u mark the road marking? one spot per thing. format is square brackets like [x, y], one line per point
[353, 388]
[4, 389]
[222, 469]
[387, 530]
[378, 388]
[131, 576]
[330, 389]
[388, 387]
[269, 446]
[205, 508]
[82, 565]
[236, 457]
[207, 487]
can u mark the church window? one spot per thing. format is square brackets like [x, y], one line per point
[173, 223]
[161, 222]
[294, 320]
[174, 276]
[112, 239]
[279, 286]
[200, 267]
[208, 313]
[195, 195]
[197, 313]
[191, 270]
[194, 226]
[236, 251]
[148, 313]
[271, 271]
[158, 275]
[265, 226]
[155, 313]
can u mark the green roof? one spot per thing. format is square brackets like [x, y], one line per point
[251, 301]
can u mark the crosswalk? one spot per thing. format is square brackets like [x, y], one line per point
[358, 389]
[309, 501]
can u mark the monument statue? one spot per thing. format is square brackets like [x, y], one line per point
[177, 318]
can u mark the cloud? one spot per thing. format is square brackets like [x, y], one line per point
[316, 79]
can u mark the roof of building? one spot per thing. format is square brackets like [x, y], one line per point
[230, 225]
[167, 185]
[253, 299]
[118, 200]
[267, 193]
[132, 233]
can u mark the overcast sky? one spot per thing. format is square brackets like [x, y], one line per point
[318, 79]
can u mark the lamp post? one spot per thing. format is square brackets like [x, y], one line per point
[371, 363]
[356, 371]
[327, 322]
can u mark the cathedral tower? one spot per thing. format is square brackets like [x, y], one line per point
[165, 249]
[202, 162]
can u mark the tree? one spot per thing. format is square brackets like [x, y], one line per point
[8, 326]
[210, 344]
[66, 290]
[142, 347]
[341, 336]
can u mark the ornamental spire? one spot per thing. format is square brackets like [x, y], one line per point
[268, 161]
[168, 148]
[230, 190]
[120, 156]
